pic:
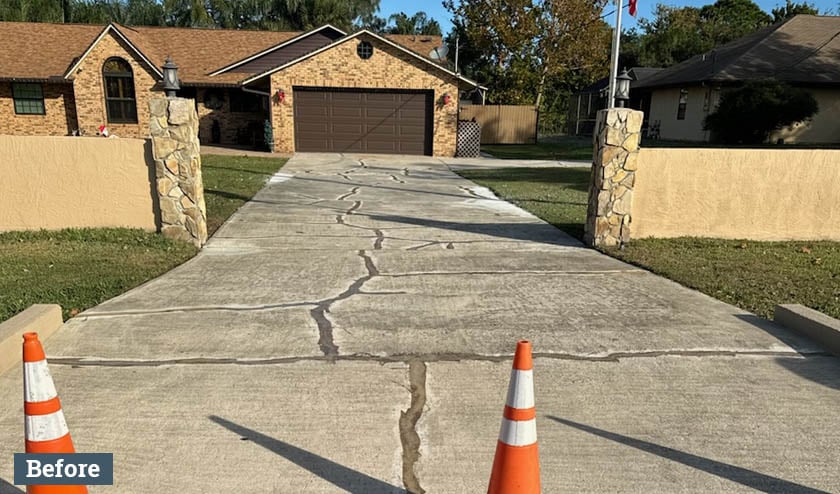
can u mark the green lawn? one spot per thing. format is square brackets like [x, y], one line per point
[557, 195]
[554, 148]
[752, 275]
[80, 268]
[230, 181]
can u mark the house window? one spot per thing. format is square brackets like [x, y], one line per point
[120, 102]
[29, 99]
[364, 50]
[681, 107]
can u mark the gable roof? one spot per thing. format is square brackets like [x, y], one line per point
[356, 35]
[805, 49]
[276, 47]
[418, 43]
[111, 28]
[34, 51]
[51, 52]
[199, 52]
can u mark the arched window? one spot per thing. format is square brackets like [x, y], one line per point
[120, 103]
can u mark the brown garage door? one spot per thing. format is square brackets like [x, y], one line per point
[364, 121]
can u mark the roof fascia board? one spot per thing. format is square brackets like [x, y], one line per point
[109, 28]
[276, 47]
[353, 36]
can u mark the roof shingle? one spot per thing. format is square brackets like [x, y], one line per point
[804, 50]
[41, 51]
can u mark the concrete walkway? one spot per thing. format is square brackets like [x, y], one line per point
[350, 330]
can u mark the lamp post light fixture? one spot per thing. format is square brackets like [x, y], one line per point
[170, 78]
[622, 88]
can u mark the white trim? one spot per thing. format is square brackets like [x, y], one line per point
[38, 383]
[275, 47]
[47, 427]
[254, 91]
[105, 31]
[353, 36]
[521, 389]
[518, 432]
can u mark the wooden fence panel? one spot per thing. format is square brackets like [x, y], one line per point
[504, 124]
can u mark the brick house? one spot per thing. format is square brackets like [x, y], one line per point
[321, 90]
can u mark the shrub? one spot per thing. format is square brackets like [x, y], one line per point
[749, 113]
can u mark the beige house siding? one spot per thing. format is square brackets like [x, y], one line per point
[759, 194]
[665, 102]
[340, 66]
[90, 91]
[824, 127]
[59, 112]
[75, 182]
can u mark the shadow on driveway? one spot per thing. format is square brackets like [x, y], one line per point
[340, 476]
[743, 476]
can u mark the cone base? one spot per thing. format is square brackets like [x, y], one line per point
[516, 469]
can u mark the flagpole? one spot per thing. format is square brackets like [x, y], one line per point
[614, 59]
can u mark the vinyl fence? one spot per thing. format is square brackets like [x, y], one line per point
[504, 124]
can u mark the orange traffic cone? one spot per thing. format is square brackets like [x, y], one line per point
[516, 468]
[46, 430]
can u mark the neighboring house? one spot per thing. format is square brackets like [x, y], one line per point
[584, 105]
[803, 51]
[322, 90]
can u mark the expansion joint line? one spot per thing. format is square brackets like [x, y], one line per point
[409, 437]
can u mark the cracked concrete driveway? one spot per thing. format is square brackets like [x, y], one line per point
[351, 329]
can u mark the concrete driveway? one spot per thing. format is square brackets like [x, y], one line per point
[350, 330]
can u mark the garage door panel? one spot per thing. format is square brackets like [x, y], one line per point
[377, 121]
[349, 129]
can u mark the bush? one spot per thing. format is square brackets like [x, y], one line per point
[748, 114]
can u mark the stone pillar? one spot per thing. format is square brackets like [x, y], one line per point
[614, 161]
[175, 146]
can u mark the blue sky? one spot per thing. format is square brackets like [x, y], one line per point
[434, 8]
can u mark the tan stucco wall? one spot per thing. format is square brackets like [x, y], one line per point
[663, 107]
[90, 91]
[387, 68]
[782, 194]
[59, 116]
[824, 127]
[61, 182]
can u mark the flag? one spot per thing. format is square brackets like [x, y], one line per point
[633, 7]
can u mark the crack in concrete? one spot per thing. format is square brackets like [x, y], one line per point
[396, 179]
[355, 207]
[405, 172]
[380, 238]
[319, 313]
[200, 308]
[353, 191]
[409, 438]
[433, 358]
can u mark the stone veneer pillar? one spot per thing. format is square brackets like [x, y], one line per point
[175, 146]
[614, 161]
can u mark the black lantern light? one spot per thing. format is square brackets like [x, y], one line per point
[170, 78]
[622, 88]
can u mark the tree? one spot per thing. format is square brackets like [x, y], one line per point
[418, 23]
[31, 11]
[748, 114]
[790, 9]
[522, 46]
[728, 20]
[673, 35]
